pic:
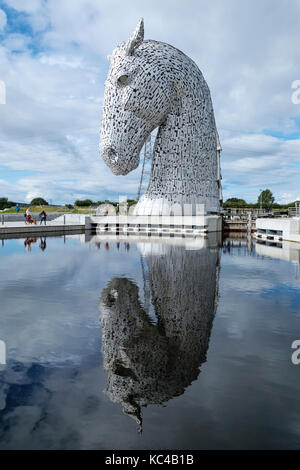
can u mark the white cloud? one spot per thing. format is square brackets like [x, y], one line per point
[3, 19]
[16, 42]
[260, 161]
[62, 61]
[285, 198]
[51, 121]
[29, 6]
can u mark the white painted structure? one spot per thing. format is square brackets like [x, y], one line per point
[151, 84]
[278, 229]
[189, 225]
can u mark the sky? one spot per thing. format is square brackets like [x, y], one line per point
[53, 62]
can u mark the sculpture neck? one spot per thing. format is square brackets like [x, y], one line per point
[184, 167]
[174, 155]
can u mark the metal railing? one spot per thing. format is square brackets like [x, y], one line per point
[62, 219]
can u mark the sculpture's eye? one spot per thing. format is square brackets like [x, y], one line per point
[123, 80]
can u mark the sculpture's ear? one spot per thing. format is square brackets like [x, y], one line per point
[136, 38]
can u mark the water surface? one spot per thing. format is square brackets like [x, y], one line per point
[140, 344]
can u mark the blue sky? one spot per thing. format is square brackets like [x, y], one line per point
[53, 60]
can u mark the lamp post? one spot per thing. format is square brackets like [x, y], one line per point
[261, 199]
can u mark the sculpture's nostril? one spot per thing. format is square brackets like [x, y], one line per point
[110, 153]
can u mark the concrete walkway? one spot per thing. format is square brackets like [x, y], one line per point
[62, 224]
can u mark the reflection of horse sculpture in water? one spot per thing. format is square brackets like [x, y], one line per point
[148, 363]
[153, 84]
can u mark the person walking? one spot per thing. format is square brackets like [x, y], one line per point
[27, 216]
[43, 217]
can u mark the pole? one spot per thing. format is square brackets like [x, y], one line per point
[260, 199]
[142, 175]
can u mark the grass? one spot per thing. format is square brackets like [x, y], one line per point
[63, 209]
[48, 209]
[35, 209]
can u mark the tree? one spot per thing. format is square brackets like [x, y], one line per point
[39, 201]
[5, 203]
[234, 202]
[266, 199]
[84, 203]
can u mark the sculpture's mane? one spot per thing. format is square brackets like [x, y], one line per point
[175, 62]
[156, 49]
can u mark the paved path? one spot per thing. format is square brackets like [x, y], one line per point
[50, 223]
[20, 229]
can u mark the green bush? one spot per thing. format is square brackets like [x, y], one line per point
[235, 202]
[84, 203]
[39, 201]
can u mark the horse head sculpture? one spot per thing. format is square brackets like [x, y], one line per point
[151, 84]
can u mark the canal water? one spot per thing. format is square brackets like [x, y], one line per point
[148, 343]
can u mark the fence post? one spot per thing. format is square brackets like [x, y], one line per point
[2, 219]
[64, 219]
